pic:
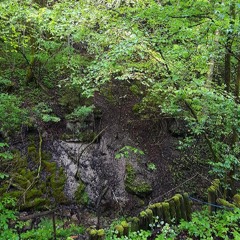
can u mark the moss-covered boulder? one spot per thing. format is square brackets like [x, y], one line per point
[134, 185]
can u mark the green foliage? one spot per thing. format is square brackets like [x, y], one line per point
[5, 156]
[80, 113]
[12, 116]
[44, 113]
[223, 224]
[126, 151]
[6, 214]
[45, 231]
[151, 166]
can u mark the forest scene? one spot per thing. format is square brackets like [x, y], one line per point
[119, 119]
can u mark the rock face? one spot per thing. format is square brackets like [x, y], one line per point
[104, 177]
[67, 155]
[96, 178]
[95, 167]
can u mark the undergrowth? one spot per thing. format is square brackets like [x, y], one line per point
[221, 225]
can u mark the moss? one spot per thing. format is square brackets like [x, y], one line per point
[50, 167]
[93, 234]
[46, 156]
[33, 193]
[14, 194]
[187, 206]
[225, 203]
[139, 188]
[49, 185]
[81, 195]
[135, 224]
[212, 195]
[119, 228]
[31, 149]
[19, 161]
[3, 188]
[159, 210]
[57, 184]
[144, 220]
[149, 215]
[86, 136]
[166, 212]
[36, 203]
[32, 153]
[236, 199]
[216, 183]
[182, 207]
[101, 232]
[125, 227]
[172, 209]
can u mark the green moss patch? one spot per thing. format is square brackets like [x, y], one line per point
[30, 189]
[133, 185]
[81, 195]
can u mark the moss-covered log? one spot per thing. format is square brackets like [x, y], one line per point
[172, 209]
[182, 207]
[125, 226]
[135, 224]
[144, 221]
[100, 234]
[225, 203]
[177, 207]
[187, 204]
[166, 212]
[212, 197]
[93, 234]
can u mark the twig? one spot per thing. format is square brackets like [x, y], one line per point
[88, 145]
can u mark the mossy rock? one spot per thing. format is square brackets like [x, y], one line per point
[134, 186]
[141, 189]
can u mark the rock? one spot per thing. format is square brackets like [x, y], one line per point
[74, 218]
